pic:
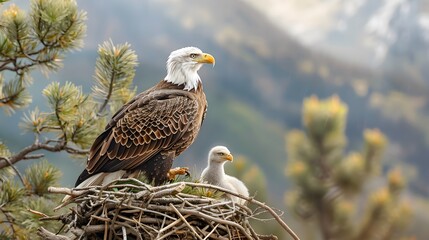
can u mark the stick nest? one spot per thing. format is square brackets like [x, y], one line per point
[131, 209]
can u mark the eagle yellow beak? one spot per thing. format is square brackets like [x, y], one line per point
[229, 157]
[205, 58]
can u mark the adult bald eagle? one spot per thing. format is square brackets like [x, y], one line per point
[157, 125]
[214, 173]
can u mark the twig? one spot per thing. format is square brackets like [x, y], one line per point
[35, 156]
[45, 234]
[250, 200]
[37, 213]
[184, 221]
[168, 227]
[124, 233]
[211, 232]
[109, 93]
[15, 169]
[9, 219]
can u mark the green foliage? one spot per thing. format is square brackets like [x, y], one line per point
[71, 115]
[13, 94]
[114, 72]
[11, 193]
[72, 120]
[40, 176]
[39, 38]
[4, 151]
[329, 184]
[16, 200]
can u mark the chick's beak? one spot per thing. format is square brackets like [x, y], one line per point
[206, 58]
[229, 157]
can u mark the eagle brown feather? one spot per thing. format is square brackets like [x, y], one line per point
[163, 117]
[157, 125]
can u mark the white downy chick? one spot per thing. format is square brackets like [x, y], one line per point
[214, 173]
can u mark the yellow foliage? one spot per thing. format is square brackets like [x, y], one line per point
[311, 105]
[403, 212]
[381, 198]
[395, 179]
[354, 161]
[335, 105]
[343, 210]
[375, 138]
[325, 176]
[296, 168]
[12, 11]
[323, 116]
[350, 173]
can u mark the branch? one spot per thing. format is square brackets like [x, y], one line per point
[6, 62]
[10, 220]
[72, 150]
[109, 94]
[24, 153]
[45, 234]
[16, 68]
[35, 156]
[15, 169]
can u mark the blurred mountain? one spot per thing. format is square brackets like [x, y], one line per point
[372, 31]
[256, 89]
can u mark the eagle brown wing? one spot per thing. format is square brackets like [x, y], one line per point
[143, 128]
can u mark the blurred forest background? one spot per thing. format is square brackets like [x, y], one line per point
[270, 57]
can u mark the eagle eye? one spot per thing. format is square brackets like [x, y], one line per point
[193, 55]
[221, 153]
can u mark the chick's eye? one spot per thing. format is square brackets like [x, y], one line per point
[193, 55]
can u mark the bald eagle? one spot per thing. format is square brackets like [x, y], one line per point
[214, 173]
[152, 129]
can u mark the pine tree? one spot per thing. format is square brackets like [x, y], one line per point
[41, 38]
[340, 192]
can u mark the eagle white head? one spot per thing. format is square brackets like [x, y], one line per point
[183, 65]
[219, 155]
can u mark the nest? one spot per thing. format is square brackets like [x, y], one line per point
[131, 209]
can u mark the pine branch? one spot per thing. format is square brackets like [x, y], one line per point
[8, 100]
[9, 219]
[109, 94]
[52, 29]
[17, 68]
[24, 153]
[14, 168]
[114, 72]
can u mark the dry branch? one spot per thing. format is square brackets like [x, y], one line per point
[130, 209]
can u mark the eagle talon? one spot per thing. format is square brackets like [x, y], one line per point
[177, 171]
